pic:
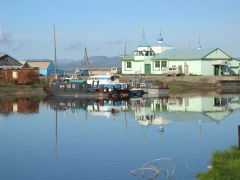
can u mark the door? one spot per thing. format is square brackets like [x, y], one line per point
[216, 70]
[147, 68]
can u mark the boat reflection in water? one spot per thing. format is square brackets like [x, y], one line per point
[105, 108]
[158, 111]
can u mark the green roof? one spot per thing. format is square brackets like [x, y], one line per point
[186, 53]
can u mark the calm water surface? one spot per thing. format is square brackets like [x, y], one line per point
[108, 140]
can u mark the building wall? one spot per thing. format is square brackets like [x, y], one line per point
[218, 54]
[137, 65]
[21, 76]
[160, 49]
[194, 66]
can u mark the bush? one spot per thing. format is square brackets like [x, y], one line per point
[39, 85]
[225, 165]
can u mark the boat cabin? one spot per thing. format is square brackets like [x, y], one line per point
[108, 81]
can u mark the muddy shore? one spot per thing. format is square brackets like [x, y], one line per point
[21, 92]
[181, 86]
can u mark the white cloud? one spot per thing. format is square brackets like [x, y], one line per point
[6, 41]
[5, 37]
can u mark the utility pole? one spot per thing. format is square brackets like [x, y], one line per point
[125, 48]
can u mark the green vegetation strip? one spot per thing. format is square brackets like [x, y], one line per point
[10, 86]
[225, 166]
[175, 88]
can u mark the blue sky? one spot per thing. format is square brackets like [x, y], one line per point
[26, 25]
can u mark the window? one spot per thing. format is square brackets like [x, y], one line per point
[163, 64]
[14, 74]
[129, 65]
[157, 64]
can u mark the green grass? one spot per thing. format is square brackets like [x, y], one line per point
[39, 85]
[7, 85]
[174, 88]
[225, 166]
[10, 86]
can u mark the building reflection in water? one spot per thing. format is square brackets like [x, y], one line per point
[159, 112]
[19, 105]
[156, 111]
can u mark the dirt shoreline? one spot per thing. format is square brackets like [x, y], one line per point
[21, 92]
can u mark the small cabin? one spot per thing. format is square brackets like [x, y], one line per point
[21, 76]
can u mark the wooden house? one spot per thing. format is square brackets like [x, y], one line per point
[23, 75]
[12, 71]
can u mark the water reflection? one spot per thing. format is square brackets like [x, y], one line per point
[19, 105]
[158, 111]
[186, 129]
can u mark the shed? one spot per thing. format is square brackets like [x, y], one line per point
[21, 76]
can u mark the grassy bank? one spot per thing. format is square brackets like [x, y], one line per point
[175, 88]
[225, 165]
[5, 85]
[13, 89]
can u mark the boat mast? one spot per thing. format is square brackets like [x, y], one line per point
[86, 60]
[55, 51]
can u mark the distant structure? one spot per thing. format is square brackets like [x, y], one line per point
[12, 71]
[161, 58]
[46, 67]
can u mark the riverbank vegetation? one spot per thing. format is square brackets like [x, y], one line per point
[175, 88]
[224, 165]
[10, 86]
[8, 89]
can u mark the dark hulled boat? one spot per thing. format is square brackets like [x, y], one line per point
[83, 90]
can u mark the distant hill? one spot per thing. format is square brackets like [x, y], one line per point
[95, 62]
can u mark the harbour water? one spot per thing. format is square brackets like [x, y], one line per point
[76, 139]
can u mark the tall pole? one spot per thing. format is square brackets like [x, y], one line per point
[125, 48]
[55, 50]
[86, 60]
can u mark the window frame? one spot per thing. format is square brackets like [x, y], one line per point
[162, 67]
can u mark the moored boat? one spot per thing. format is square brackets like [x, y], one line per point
[64, 89]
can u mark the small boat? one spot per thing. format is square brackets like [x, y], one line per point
[64, 89]
[108, 81]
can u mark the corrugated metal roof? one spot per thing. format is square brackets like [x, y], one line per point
[39, 64]
[186, 53]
